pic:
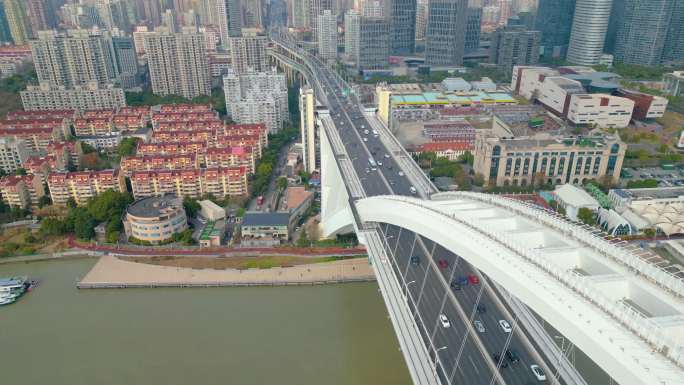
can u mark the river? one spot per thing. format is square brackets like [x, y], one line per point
[58, 335]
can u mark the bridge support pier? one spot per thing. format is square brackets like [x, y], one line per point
[336, 214]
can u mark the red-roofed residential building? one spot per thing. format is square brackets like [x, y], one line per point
[97, 114]
[129, 164]
[249, 129]
[41, 115]
[21, 191]
[169, 148]
[180, 108]
[230, 157]
[83, 185]
[220, 182]
[65, 153]
[35, 138]
[450, 150]
[183, 136]
[40, 166]
[93, 126]
[246, 140]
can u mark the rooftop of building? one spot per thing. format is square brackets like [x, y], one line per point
[209, 231]
[445, 98]
[650, 193]
[295, 196]
[575, 196]
[257, 218]
[155, 206]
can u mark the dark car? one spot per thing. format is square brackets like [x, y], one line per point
[415, 260]
[481, 308]
[512, 355]
[455, 285]
[497, 358]
[443, 263]
[463, 280]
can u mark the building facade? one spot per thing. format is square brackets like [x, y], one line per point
[600, 110]
[589, 27]
[155, 219]
[327, 35]
[307, 104]
[178, 64]
[374, 44]
[402, 18]
[473, 28]
[528, 161]
[554, 21]
[514, 46]
[13, 154]
[352, 23]
[83, 185]
[642, 31]
[249, 53]
[89, 97]
[445, 33]
[220, 182]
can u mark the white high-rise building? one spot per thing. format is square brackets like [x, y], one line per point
[257, 97]
[352, 23]
[178, 63]
[589, 28]
[327, 35]
[307, 105]
[299, 13]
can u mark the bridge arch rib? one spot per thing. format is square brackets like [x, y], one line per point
[499, 243]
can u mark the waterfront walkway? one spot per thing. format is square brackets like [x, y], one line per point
[111, 272]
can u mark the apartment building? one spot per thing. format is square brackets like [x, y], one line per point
[89, 97]
[13, 154]
[249, 53]
[230, 157]
[21, 191]
[601, 110]
[35, 139]
[198, 147]
[40, 166]
[130, 164]
[65, 154]
[83, 185]
[94, 126]
[252, 141]
[220, 182]
[183, 136]
[178, 63]
[646, 107]
[254, 97]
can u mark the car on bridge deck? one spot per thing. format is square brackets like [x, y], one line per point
[512, 355]
[444, 321]
[455, 285]
[415, 260]
[443, 264]
[479, 326]
[463, 280]
[505, 326]
[481, 308]
[497, 358]
[473, 279]
[538, 372]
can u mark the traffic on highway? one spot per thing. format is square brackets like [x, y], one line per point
[469, 335]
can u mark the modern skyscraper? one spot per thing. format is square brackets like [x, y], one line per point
[307, 128]
[554, 21]
[41, 15]
[327, 35]
[252, 14]
[401, 15]
[374, 44]
[17, 20]
[257, 97]
[178, 63]
[421, 18]
[445, 34]
[352, 21]
[75, 58]
[473, 27]
[642, 31]
[5, 34]
[316, 7]
[299, 13]
[589, 27]
[234, 17]
[126, 61]
[513, 46]
[674, 45]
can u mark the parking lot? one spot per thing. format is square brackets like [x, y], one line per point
[665, 178]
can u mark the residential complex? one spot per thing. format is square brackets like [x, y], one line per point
[83, 185]
[13, 154]
[249, 53]
[178, 63]
[89, 97]
[21, 191]
[219, 182]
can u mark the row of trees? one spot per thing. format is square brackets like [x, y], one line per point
[264, 168]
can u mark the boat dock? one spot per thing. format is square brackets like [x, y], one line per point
[113, 273]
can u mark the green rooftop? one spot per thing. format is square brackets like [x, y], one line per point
[209, 231]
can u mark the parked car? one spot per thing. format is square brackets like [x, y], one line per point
[443, 264]
[473, 279]
[455, 285]
[444, 321]
[538, 372]
[505, 326]
[479, 326]
[415, 260]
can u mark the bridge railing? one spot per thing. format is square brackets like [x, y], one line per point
[637, 323]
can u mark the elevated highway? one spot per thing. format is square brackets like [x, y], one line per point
[424, 264]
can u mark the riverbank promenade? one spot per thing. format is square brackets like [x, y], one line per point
[111, 272]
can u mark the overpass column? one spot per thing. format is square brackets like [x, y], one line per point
[336, 215]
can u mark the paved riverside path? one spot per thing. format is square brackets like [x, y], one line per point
[111, 272]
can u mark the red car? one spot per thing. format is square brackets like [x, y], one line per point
[443, 263]
[473, 279]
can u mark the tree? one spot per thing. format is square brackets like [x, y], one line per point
[84, 223]
[467, 158]
[71, 202]
[192, 207]
[586, 216]
[281, 183]
[20, 171]
[109, 205]
[127, 146]
[44, 201]
[52, 226]
[650, 233]
[303, 240]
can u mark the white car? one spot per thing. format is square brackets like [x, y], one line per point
[479, 326]
[387, 156]
[365, 139]
[401, 173]
[505, 326]
[538, 372]
[444, 321]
